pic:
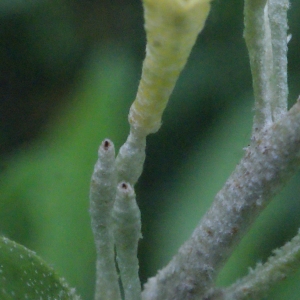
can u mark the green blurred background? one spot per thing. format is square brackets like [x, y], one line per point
[69, 70]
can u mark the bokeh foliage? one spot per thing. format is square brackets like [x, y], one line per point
[69, 71]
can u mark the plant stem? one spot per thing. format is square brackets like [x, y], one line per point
[127, 232]
[278, 24]
[263, 171]
[257, 35]
[131, 157]
[102, 196]
[259, 281]
[172, 27]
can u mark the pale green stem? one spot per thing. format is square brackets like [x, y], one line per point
[265, 276]
[278, 24]
[262, 172]
[258, 40]
[102, 196]
[131, 157]
[127, 232]
[172, 27]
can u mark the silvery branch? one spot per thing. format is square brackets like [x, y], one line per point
[270, 159]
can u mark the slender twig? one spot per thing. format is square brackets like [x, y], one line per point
[258, 40]
[278, 24]
[131, 157]
[258, 282]
[269, 161]
[127, 232]
[272, 157]
[102, 196]
[263, 171]
[172, 27]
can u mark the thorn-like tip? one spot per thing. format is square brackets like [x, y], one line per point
[124, 185]
[106, 144]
